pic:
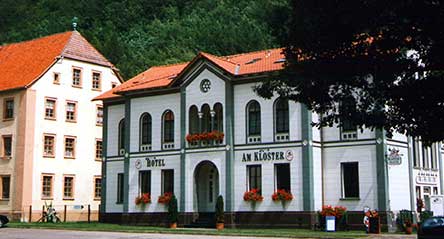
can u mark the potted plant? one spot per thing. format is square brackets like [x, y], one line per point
[283, 196]
[143, 199]
[172, 212]
[408, 227]
[374, 223]
[253, 196]
[220, 213]
[165, 198]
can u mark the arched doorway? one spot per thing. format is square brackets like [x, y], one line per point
[206, 186]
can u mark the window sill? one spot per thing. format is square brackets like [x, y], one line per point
[49, 156]
[98, 160]
[56, 83]
[99, 125]
[6, 157]
[97, 199]
[8, 119]
[350, 199]
[99, 90]
[47, 198]
[68, 199]
[71, 121]
[77, 86]
[69, 157]
[4, 199]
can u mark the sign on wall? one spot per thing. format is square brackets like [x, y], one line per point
[427, 178]
[150, 162]
[268, 155]
[394, 157]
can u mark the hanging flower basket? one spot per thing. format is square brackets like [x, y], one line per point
[282, 195]
[143, 199]
[214, 135]
[253, 196]
[165, 198]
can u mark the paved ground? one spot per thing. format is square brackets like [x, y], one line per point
[14, 233]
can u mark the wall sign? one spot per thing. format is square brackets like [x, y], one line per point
[394, 157]
[430, 178]
[268, 155]
[154, 162]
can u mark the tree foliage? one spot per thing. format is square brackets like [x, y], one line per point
[384, 57]
[137, 34]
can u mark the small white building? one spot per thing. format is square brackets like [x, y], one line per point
[156, 140]
[50, 129]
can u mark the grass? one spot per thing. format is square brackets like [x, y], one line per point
[288, 233]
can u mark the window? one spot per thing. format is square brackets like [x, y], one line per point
[97, 188]
[120, 188]
[99, 118]
[56, 79]
[254, 173]
[206, 118]
[70, 145]
[282, 172]
[68, 187]
[50, 108]
[122, 137]
[145, 182]
[167, 181]
[253, 121]
[99, 149]
[8, 112]
[71, 111]
[434, 156]
[48, 145]
[418, 192]
[47, 186]
[77, 77]
[5, 187]
[416, 153]
[113, 85]
[281, 118]
[193, 120]
[218, 117]
[7, 145]
[96, 80]
[168, 127]
[350, 180]
[145, 132]
[349, 128]
[426, 157]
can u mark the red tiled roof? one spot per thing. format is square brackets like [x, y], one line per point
[236, 65]
[21, 64]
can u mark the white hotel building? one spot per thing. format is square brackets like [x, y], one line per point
[50, 129]
[267, 144]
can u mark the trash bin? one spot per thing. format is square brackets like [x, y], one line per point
[330, 223]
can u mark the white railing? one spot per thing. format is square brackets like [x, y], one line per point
[145, 147]
[254, 139]
[168, 145]
[349, 135]
[282, 137]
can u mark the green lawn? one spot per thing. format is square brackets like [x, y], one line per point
[292, 233]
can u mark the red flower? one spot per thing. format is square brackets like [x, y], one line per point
[282, 195]
[213, 135]
[253, 195]
[337, 211]
[165, 198]
[145, 198]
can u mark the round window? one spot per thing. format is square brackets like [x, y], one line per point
[205, 85]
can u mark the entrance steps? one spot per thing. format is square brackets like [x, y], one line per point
[204, 220]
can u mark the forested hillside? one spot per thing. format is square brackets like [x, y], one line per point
[136, 34]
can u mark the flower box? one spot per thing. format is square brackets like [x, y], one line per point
[205, 138]
[282, 195]
[253, 196]
[165, 198]
[143, 199]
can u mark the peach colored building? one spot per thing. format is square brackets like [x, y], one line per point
[50, 130]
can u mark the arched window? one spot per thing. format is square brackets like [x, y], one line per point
[218, 117]
[168, 127]
[281, 114]
[145, 131]
[121, 136]
[193, 120]
[206, 118]
[254, 118]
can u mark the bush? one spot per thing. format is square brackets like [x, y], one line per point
[404, 217]
[424, 215]
[172, 210]
[220, 210]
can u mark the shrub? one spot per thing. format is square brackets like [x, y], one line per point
[425, 214]
[403, 219]
[172, 210]
[220, 210]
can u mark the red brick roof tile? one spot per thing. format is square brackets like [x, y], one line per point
[21, 64]
[236, 65]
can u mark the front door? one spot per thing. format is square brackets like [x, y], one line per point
[207, 186]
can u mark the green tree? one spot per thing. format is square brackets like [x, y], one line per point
[383, 56]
